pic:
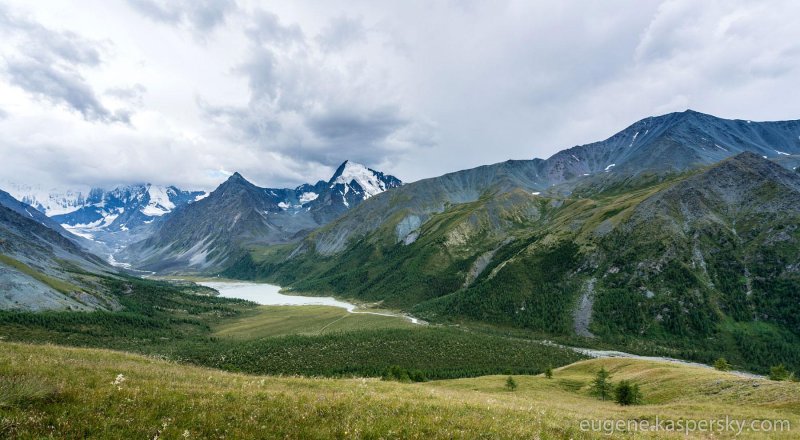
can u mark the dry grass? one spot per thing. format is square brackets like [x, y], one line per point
[81, 397]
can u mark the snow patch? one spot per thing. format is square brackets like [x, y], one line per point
[78, 232]
[608, 168]
[202, 196]
[308, 197]
[112, 261]
[723, 149]
[781, 152]
[159, 203]
[283, 205]
[634, 138]
[107, 220]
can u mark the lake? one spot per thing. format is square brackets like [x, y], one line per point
[269, 295]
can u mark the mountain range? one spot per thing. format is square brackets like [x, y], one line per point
[680, 230]
[238, 214]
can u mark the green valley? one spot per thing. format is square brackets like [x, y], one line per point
[689, 265]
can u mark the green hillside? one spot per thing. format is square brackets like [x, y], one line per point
[696, 265]
[58, 392]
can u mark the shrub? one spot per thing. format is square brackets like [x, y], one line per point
[627, 393]
[779, 372]
[548, 373]
[722, 364]
[400, 374]
[511, 384]
[397, 373]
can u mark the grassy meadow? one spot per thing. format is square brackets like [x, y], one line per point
[268, 321]
[51, 391]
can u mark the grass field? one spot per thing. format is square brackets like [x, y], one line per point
[172, 322]
[58, 392]
[268, 321]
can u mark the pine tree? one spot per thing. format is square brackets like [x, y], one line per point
[601, 385]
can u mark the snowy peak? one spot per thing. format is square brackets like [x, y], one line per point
[204, 234]
[119, 209]
[364, 181]
[49, 201]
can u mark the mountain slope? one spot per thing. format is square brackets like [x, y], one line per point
[238, 214]
[26, 210]
[709, 254]
[40, 268]
[662, 145]
[675, 142]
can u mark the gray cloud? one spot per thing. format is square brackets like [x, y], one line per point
[266, 28]
[303, 105]
[416, 88]
[61, 86]
[344, 126]
[342, 32]
[133, 95]
[199, 15]
[48, 63]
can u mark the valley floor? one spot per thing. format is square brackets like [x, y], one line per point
[54, 391]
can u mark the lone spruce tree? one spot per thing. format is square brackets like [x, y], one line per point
[601, 385]
[511, 384]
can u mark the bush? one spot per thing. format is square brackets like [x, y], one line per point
[627, 393]
[548, 373]
[400, 374]
[779, 372]
[511, 384]
[601, 385]
[722, 364]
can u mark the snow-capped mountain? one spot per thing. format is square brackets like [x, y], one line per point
[49, 201]
[349, 185]
[354, 182]
[95, 213]
[239, 213]
[125, 207]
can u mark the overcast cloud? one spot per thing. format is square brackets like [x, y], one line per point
[101, 92]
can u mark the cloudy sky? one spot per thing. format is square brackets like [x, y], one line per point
[186, 91]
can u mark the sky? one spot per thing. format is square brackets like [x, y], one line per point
[185, 92]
